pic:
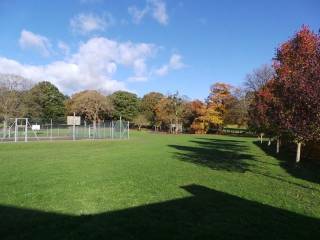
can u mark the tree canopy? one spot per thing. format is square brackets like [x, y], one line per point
[126, 105]
[46, 102]
[90, 104]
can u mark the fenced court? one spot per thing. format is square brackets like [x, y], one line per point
[24, 129]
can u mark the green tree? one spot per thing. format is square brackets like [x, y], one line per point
[140, 120]
[45, 101]
[126, 105]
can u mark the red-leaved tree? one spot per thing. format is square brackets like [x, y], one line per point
[264, 113]
[297, 86]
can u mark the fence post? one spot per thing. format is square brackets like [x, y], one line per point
[112, 127]
[15, 129]
[26, 131]
[120, 136]
[51, 129]
[128, 129]
[74, 127]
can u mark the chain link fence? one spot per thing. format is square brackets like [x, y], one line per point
[24, 129]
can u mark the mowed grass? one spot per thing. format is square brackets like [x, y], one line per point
[155, 186]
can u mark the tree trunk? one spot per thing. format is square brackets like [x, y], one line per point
[139, 128]
[261, 137]
[278, 145]
[298, 152]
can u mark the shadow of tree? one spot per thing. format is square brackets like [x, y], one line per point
[218, 154]
[207, 214]
[307, 170]
[232, 155]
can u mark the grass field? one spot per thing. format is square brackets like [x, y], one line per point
[155, 186]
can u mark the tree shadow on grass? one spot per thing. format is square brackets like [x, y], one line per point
[307, 170]
[218, 154]
[232, 155]
[206, 214]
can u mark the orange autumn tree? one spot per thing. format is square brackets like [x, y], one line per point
[201, 124]
[198, 110]
[213, 112]
[219, 101]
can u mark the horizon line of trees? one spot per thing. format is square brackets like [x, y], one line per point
[43, 101]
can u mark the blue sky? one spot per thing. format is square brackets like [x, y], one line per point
[147, 45]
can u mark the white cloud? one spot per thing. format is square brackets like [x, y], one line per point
[30, 40]
[162, 71]
[137, 14]
[159, 11]
[86, 23]
[175, 63]
[64, 47]
[155, 8]
[93, 66]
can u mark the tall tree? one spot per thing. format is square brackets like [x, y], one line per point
[148, 105]
[126, 105]
[238, 108]
[258, 78]
[196, 109]
[297, 86]
[171, 110]
[45, 101]
[12, 90]
[219, 102]
[264, 113]
[91, 105]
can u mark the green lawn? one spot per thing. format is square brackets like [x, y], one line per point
[155, 186]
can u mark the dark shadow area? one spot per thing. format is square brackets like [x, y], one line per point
[208, 214]
[230, 155]
[218, 154]
[307, 170]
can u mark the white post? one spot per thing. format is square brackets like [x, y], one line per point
[128, 129]
[15, 129]
[298, 152]
[261, 134]
[120, 128]
[278, 145]
[26, 131]
[74, 127]
[51, 129]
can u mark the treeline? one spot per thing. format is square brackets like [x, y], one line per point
[173, 112]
